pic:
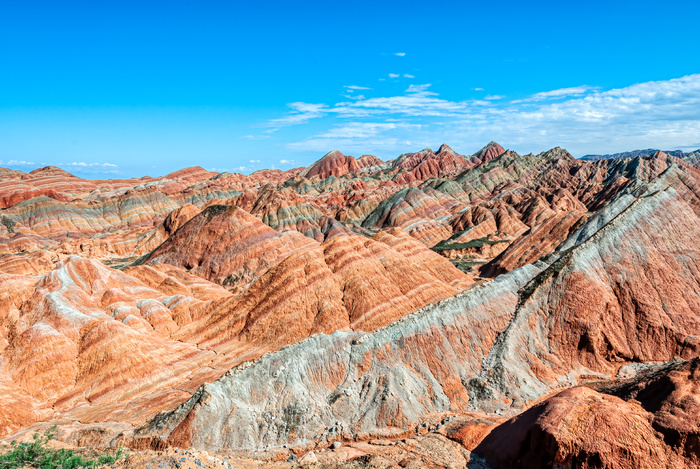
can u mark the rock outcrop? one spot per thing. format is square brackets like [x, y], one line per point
[650, 421]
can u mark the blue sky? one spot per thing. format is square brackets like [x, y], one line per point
[112, 89]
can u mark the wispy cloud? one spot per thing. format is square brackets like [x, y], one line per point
[416, 101]
[78, 167]
[300, 114]
[82, 164]
[394, 75]
[240, 169]
[406, 75]
[355, 87]
[583, 119]
[353, 96]
[659, 114]
[363, 129]
[400, 54]
[560, 93]
[255, 161]
[418, 88]
[356, 137]
[288, 162]
[18, 163]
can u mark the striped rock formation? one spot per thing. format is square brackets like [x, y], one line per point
[428, 299]
[336, 164]
[493, 348]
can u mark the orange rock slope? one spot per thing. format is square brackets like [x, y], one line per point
[650, 421]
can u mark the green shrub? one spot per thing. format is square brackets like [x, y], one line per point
[37, 454]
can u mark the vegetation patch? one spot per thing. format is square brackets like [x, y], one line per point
[121, 262]
[551, 271]
[445, 245]
[139, 261]
[466, 266]
[214, 210]
[37, 454]
[9, 224]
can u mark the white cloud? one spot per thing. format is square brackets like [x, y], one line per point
[381, 144]
[349, 96]
[359, 137]
[660, 114]
[82, 164]
[394, 75]
[583, 119]
[363, 129]
[255, 161]
[239, 169]
[76, 165]
[418, 88]
[493, 97]
[406, 75]
[560, 93]
[235, 169]
[301, 113]
[478, 89]
[288, 162]
[355, 87]
[415, 105]
[400, 54]
[417, 101]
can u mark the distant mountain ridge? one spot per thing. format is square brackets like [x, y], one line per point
[637, 153]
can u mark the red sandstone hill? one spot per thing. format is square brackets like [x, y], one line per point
[437, 309]
[428, 164]
[227, 245]
[486, 154]
[650, 421]
[336, 164]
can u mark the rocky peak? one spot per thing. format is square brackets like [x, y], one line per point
[489, 152]
[333, 163]
[445, 148]
[51, 170]
[557, 153]
[191, 174]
